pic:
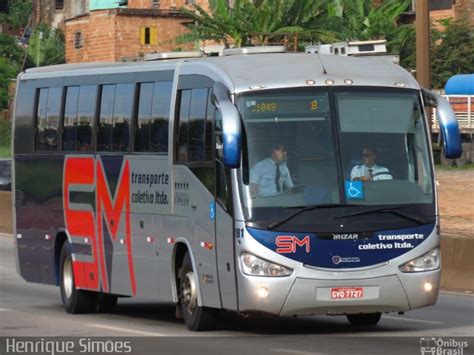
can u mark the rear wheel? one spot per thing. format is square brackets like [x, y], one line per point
[364, 319]
[195, 317]
[74, 300]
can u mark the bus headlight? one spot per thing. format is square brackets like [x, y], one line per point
[254, 266]
[426, 262]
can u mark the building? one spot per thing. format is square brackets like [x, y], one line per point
[121, 34]
[440, 10]
[115, 30]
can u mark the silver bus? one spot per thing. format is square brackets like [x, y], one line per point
[258, 181]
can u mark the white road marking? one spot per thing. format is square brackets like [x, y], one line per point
[126, 330]
[289, 351]
[413, 320]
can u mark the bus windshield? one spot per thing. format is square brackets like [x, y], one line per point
[342, 147]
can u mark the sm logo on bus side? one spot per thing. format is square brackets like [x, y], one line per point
[101, 224]
[287, 244]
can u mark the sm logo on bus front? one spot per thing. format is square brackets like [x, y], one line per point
[99, 226]
[287, 244]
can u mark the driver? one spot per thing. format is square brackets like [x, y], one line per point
[369, 170]
[270, 176]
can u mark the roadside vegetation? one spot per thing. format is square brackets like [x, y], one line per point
[465, 167]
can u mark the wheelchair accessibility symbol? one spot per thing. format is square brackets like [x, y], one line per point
[212, 210]
[354, 190]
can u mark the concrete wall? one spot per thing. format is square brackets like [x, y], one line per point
[5, 212]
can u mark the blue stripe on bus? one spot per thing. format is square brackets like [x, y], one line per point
[381, 247]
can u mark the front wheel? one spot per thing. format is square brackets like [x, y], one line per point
[364, 319]
[195, 317]
[74, 300]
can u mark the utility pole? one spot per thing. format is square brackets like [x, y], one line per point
[423, 58]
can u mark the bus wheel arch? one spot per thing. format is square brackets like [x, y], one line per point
[189, 305]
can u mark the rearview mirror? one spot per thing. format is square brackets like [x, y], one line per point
[231, 127]
[448, 125]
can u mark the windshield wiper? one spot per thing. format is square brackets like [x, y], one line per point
[304, 209]
[385, 210]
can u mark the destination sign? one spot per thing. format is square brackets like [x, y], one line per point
[285, 106]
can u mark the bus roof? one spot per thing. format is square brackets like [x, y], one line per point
[262, 71]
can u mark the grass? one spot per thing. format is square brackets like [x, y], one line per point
[5, 152]
[467, 167]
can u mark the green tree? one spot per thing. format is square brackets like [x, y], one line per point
[11, 51]
[46, 46]
[19, 12]
[452, 51]
[362, 20]
[254, 21]
[7, 73]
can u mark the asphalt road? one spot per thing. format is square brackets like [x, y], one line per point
[35, 310]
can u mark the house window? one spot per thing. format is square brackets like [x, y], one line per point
[148, 36]
[78, 40]
[190, 2]
[155, 4]
[59, 4]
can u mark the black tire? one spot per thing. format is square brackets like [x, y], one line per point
[106, 303]
[75, 301]
[364, 319]
[196, 318]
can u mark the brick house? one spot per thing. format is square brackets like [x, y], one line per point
[114, 30]
[121, 33]
[452, 9]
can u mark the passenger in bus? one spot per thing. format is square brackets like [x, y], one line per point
[270, 176]
[369, 170]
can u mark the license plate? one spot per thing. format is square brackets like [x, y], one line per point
[339, 293]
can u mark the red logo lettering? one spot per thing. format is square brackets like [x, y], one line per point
[87, 174]
[288, 244]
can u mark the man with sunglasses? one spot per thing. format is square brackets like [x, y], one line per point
[270, 176]
[369, 170]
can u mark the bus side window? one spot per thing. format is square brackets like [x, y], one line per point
[41, 119]
[151, 134]
[123, 109]
[195, 125]
[47, 119]
[104, 135]
[160, 115]
[70, 118]
[223, 195]
[210, 118]
[142, 131]
[85, 117]
[183, 122]
[115, 116]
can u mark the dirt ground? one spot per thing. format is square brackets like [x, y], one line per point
[456, 202]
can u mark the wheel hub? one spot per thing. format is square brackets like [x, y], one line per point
[189, 293]
[67, 277]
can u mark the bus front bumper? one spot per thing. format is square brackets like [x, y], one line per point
[305, 296]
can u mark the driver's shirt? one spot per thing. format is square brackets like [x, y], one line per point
[263, 175]
[378, 172]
